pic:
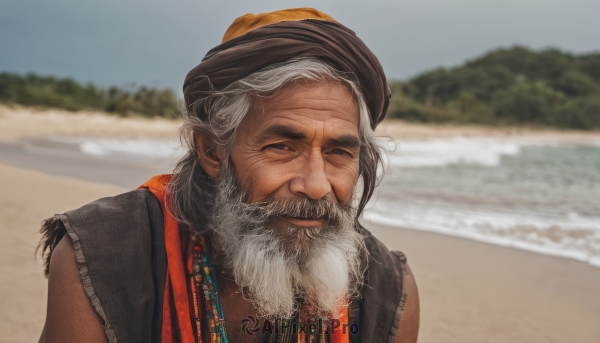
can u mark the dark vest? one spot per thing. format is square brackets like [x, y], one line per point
[120, 250]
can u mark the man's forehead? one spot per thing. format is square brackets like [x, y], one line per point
[329, 103]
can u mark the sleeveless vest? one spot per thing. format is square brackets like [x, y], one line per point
[120, 250]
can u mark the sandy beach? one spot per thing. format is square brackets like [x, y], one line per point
[477, 292]
[26, 199]
[17, 122]
[469, 291]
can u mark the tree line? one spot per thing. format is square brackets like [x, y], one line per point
[66, 93]
[515, 86]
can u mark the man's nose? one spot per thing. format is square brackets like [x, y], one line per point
[311, 180]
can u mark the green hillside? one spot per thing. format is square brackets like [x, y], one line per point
[65, 93]
[514, 86]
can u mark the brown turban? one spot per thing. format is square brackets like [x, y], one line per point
[254, 42]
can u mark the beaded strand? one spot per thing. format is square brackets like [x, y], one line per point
[203, 281]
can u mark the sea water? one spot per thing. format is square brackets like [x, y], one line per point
[542, 198]
[538, 197]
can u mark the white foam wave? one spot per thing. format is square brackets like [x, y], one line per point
[135, 148]
[573, 237]
[443, 152]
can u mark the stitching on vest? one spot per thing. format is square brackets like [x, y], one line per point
[400, 308]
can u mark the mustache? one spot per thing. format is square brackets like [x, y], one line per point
[296, 207]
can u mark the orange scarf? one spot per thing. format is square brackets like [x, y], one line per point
[176, 291]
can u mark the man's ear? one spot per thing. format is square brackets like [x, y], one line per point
[209, 154]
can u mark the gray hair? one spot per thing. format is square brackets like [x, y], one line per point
[193, 190]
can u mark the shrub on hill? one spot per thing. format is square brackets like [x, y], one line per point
[65, 93]
[514, 86]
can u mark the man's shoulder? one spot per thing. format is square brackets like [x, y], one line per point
[119, 247]
[383, 293]
[393, 282]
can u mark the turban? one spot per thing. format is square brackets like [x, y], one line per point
[254, 42]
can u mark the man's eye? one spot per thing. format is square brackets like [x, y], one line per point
[340, 152]
[278, 146]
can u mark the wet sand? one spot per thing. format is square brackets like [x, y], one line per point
[26, 198]
[75, 164]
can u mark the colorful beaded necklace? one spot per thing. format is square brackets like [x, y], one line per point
[203, 285]
[203, 282]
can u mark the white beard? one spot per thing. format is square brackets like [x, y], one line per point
[277, 265]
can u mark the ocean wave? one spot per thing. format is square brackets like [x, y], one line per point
[575, 240]
[442, 152]
[154, 149]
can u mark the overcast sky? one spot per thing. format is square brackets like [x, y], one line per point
[152, 42]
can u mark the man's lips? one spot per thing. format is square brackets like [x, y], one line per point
[304, 222]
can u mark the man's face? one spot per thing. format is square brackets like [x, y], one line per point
[302, 142]
[283, 212]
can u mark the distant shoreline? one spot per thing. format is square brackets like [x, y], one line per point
[20, 121]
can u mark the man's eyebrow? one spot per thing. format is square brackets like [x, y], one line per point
[346, 141]
[280, 131]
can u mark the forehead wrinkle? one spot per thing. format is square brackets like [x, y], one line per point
[301, 110]
[312, 112]
[293, 122]
[279, 130]
[312, 118]
[309, 103]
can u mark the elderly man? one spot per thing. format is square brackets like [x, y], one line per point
[255, 236]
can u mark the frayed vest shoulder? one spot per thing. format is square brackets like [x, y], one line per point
[120, 250]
